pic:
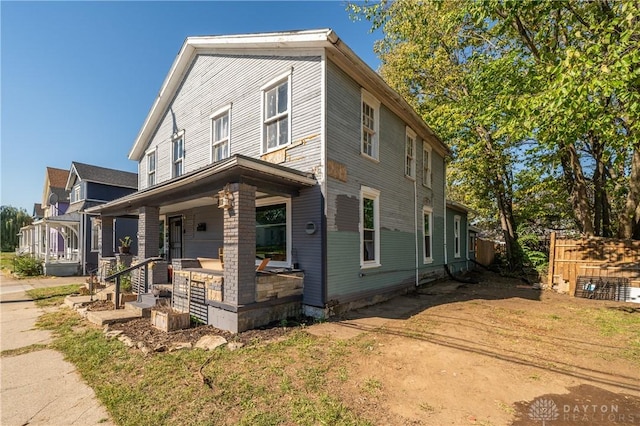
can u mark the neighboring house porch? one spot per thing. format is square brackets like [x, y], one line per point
[245, 210]
[54, 240]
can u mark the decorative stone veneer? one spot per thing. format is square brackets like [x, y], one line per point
[275, 286]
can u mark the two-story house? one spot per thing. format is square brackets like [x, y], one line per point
[287, 150]
[67, 238]
[46, 237]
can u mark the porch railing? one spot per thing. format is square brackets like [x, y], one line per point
[117, 276]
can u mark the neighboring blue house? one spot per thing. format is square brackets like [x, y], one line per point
[91, 186]
[66, 238]
[286, 147]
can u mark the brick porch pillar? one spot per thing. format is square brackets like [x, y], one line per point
[240, 246]
[106, 236]
[148, 232]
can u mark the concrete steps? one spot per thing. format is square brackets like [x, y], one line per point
[111, 317]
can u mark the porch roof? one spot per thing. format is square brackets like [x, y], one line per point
[207, 181]
[64, 219]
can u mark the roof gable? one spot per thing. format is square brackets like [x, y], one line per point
[57, 177]
[341, 54]
[102, 175]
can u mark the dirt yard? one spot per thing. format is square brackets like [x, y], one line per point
[492, 353]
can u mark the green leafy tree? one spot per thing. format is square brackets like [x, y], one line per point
[463, 84]
[526, 88]
[585, 74]
[11, 220]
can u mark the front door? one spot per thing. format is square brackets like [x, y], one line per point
[175, 237]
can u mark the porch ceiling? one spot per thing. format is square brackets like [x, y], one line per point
[201, 186]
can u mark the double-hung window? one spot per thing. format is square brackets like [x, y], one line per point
[178, 155]
[151, 168]
[426, 164]
[427, 219]
[76, 193]
[220, 133]
[276, 107]
[410, 154]
[369, 227]
[370, 125]
[456, 236]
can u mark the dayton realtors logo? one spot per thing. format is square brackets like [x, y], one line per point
[546, 410]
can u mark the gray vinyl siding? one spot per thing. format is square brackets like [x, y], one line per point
[216, 80]
[307, 248]
[397, 199]
[202, 243]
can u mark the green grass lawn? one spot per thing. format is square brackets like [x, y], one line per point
[286, 382]
[52, 296]
[6, 260]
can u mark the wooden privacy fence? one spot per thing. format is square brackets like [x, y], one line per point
[593, 257]
[485, 252]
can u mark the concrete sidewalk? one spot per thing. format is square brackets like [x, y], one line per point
[39, 387]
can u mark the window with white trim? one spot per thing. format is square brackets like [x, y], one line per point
[369, 140]
[456, 236]
[95, 235]
[427, 232]
[151, 168]
[472, 242]
[76, 193]
[220, 134]
[273, 231]
[177, 159]
[410, 154]
[369, 227]
[426, 164]
[276, 107]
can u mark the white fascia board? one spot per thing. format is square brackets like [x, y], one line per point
[193, 45]
[73, 172]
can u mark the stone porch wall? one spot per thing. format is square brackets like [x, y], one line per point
[276, 286]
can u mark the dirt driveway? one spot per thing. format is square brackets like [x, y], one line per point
[495, 354]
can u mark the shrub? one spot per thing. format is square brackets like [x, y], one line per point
[27, 265]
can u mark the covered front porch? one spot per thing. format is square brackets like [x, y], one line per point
[226, 232]
[54, 240]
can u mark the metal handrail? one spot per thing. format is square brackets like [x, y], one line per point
[117, 275]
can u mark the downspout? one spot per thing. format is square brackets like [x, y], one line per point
[415, 216]
[444, 206]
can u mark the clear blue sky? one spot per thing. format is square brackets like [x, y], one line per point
[78, 78]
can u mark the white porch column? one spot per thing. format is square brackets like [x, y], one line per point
[46, 243]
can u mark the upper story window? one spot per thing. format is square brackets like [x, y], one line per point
[177, 158]
[76, 193]
[370, 125]
[456, 236]
[276, 122]
[220, 133]
[426, 164]
[369, 227]
[410, 154]
[151, 168]
[427, 219]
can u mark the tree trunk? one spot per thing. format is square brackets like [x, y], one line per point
[501, 185]
[630, 216]
[577, 188]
